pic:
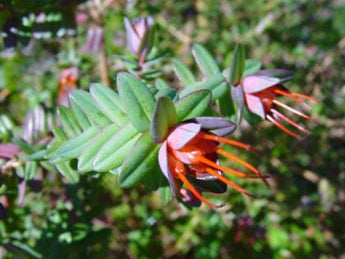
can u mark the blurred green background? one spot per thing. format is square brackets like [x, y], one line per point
[302, 215]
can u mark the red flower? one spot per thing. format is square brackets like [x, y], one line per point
[68, 82]
[189, 157]
[260, 91]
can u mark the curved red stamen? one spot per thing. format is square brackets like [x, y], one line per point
[242, 162]
[196, 193]
[302, 96]
[291, 109]
[228, 182]
[283, 128]
[225, 169]
[230, 142]
[290, 121]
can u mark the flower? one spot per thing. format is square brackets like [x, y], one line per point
[139, 36]
[260, 91]
[68, 81]
[190, 156]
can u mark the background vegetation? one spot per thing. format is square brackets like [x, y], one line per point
[300, 216]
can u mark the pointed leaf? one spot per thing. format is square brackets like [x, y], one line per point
[183, 73]
[113, 152]
[226, 106]
[161, 84]
[74, 146]
[216, 84]
[88, 106]
[65, 169]
[68, 121]
[164, 117]
[139, 162]
[109, 103]
[137, 100]
[237, 66]
[169, 92]
[193, 105]
[85, 161]
[80, 116]
[205, 61]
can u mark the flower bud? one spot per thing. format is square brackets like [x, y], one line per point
[139, 36]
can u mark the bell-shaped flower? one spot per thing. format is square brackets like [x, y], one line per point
[260, 92]
[68, 82]
[190, 155]
[139, 36]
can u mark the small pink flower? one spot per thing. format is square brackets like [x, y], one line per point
[260, 91]
[139, 35]
[190, 156]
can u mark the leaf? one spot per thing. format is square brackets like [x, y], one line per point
[193, 105]
[154, 179]
[226, 106]
[161, 84]
[68, 121]
[74, 146]
[88, 106]
[183, 73]
[113, 152]
[109, 103]
[251, 66]
[205, 61]
[141, 159]
[137, 100]
[164, 117]
[80, 116]
[216, 84]
[237, 66]
[30, 170]
[87, 157]
[39, 155]
[169, 92]
[65, 169]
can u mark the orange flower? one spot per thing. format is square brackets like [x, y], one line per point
[190, 157]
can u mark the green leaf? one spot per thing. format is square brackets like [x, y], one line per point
[137, 100]
[216, 84]
[39, 155]
[251, 66]
[66, 170]
[205, 61]
[88, 106]
[193, 105]
[109, 103]
[154, 179]
[74, 146]
[68, 121]
[87, 157]
[169, 92]
[113, 152]
[80, 116]
[183, 72]
[226, 105]
[164, 117]
[161, 84]
[30, 170]
[237, 66]
[140, 161]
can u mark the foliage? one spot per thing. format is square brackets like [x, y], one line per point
[63, 192]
